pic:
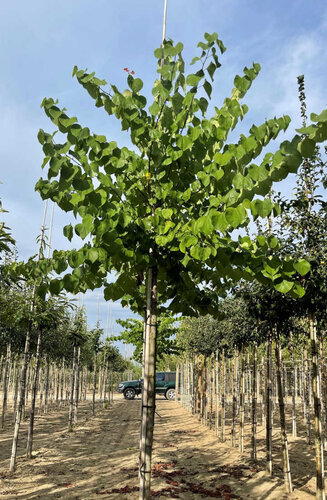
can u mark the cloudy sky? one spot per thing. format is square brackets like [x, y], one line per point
[41, 41]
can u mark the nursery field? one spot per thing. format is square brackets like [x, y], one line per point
[193, 221]
[99, 458]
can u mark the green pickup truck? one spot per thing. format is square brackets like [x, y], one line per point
[165, 384]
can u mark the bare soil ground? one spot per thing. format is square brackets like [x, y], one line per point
[99, 458]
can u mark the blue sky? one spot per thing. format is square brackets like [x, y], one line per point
[41, 41]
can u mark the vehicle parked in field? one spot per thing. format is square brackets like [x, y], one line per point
[165, 384]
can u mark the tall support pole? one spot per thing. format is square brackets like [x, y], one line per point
[164, 21]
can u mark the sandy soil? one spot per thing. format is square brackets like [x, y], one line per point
[99, 459]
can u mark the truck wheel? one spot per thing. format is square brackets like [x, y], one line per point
[170, 394]
[129, 393]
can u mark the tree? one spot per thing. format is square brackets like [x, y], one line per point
[134, 330]
[164, 218]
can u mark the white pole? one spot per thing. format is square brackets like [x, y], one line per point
[50, 230]
[164, 22]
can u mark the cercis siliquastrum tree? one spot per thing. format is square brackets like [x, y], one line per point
[163, 217]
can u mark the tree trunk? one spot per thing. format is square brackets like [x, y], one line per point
[77, 370]
[217, 392]
[242, 401]
[5, 385]
[269, 406]
[320, 480]
[71, 396]
[294, 386]
[29, 446]
[47, 382]
[254, 407]
[62, 382]
[94, 383]
[306, 391]
[235, 388]
[21, 399]
[286, 461]
[223, 396]
[148, 399]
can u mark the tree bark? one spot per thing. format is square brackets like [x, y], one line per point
[223, 396]
[29, 446]
[148, 398]
[242, 401]
[94, 382]
[254, 406]
[306, 392]
[21, 399]
[77, 370]
[5, 385]
[294, 386]
[71, 396]
[269, 406]
[286, 461]
[234, 406]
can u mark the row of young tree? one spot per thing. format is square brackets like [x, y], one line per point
[65, 360]
[167, 219]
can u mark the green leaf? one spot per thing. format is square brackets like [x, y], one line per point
[307, 147]
[302, 267]
[68, 231]
[273, 242]
[194, 60]
[211, 69]
[85, 227]
[263, 208]
[193, 80]
[137, 85]
[167, 213]
[261, 240]
[200, 253]
[236, 216]
[154, 108]
[219, 222]
[284, 287]
[189, 240]
[211, 38]
[56, 286]
[203, 225]
[208, 88]
[92, 254]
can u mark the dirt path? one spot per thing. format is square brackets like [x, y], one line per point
[101, 455]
